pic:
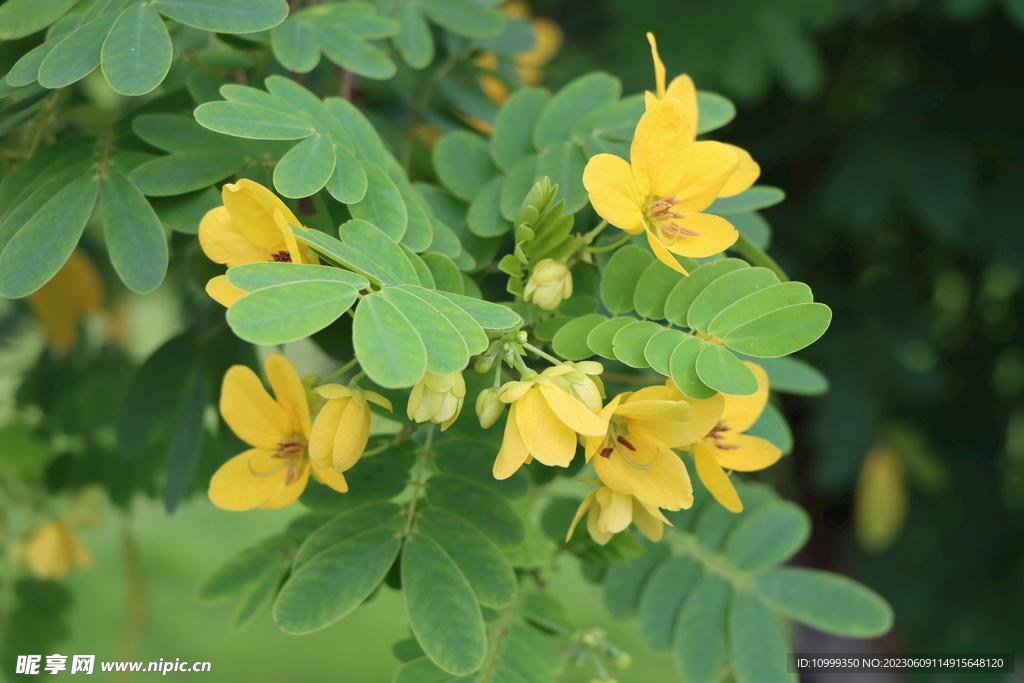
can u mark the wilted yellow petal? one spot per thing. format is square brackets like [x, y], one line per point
[658, 153]
[659, 67]
[683, 91]
[714, 235]
[513, 452]
[754, 453]
[613, 191]
[248, 409]
[880, 501]
[223, 243]
[351, 437]
[744, 176]
[584, 506]
[545, 436]
[223, 292]
[714, 477]
[251, 207]
[572, 412]
[325, 428]
[234, 486]
[707, 167]
[741, 412]
[289, 392]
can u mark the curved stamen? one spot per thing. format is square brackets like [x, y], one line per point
[630, 460]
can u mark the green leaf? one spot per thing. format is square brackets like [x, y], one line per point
[244, 569]
[624, 582]
[249, 121]
[226, 16]
[137, 53]
[600, 338]
[446, 348]
[715, 111]
[348, 183]
[134, 236]
[781, 332]
[465, 17]
[346, 525]
[825, 601]
[662, 598]
[414, 41]
[354, 54]
[26, 69]
[653, 289]
[570, 342]
[335, 581]
[751, 199]
[20, 18]
[484, 218]
[261, 595]
[365, 139]
[754, 227]
[660, 346]
[295, 46]
[683, 368]
[724, 372]
[382, 204]
[621, 275]
[187, 437]
[419, 233]
[388, 347]
[376, 479]
[699, 643]
[773, 427]
[478, 505]
[757, 304]
[443, 613]
[176, 133]
[252, 276]
[77, 54]
[187, 172]
[446, 274]
[422, 670]
[563, 162]
[769, 535]
[373, 244]
[714, 523]
[517, 185]
[490, 316]
[677, 306]
[616, 122]
[630, 342]
[289, 312]
[463, 163]
[725, 291]
[572, 103]
[474, 335]
[488, 572]
[306, 168]
[794, 376]
[45, 242]
[474, 458]
[512, 139]
[759, 651]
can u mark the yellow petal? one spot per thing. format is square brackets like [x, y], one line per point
[252, 211]
[741, 412]
[591, 444]
[664, 484]
[714, 235]
[708, 166]
[658, 153]
[331, 391]
[659, 67]
[374, 397]
[223, 292]
[234, 487]
[673, 411]
[325, 428]
[544, 435]
[289, 493]
[703, 416]
[683, 91]
[513, 452]
[649, 520]
[351, 437]
[743, 177]
[584, 506]
[289, 392]
[715, 479]
[753, 453]
[880, 501]
[330, 477]
[510, 392]
[663, 254]
[248, 409]
[613, 191]
[616, 510]
[600, 536]
[572, 412]
[298, 252]
[223, 243]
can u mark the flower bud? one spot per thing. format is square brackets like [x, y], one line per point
[549, 283]
[488, 407]
[437, 398]
[584, 383]
[483, 364]
[622, 660]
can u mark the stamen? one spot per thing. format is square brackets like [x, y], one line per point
[289, 448]
[727, 446]
[716, 431]
[673, 229]
[634, 463]
[607, 452]
[293, 474]
[625, 443]
[281, 257]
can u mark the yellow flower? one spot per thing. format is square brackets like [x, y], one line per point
[549, 283]
[635, 457]
[612, 511]
[53, 550]
[584, 384]
[880, 500]
[437, 398]
[252, 226]
[543, 421]
[61, 303]
[726, 446]
[682, 89]
[275, 471]
[342, 428]
[488, 407]
[669, 181]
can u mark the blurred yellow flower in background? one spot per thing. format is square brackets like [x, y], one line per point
[342, 428]
[53, 550]
[880, 500]
[611, 511]
[61, 303]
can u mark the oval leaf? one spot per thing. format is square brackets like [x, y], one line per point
[226, 16]
[388, 347]
[781, 332]
[306, 168]
[135, 239]
[683, 368]
[463, 163]
[137, 53]
[769, 535]
[74, 57]
[757, 304]
[725, 291]
[621, 275]
[289, 312]
[446, 348]
[250, 121]
[724, 372]
[382, 205]
[759, 651]
[512, 139]
[478, 505]
[573, 102]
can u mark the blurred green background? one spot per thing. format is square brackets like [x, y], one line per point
[894, 127]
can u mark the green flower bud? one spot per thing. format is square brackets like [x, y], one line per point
[483, 364]
[549, 283]
[622, 660]
[488, 407]
[437, 398]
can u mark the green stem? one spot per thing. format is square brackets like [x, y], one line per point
[531, 347]
[758, 257]
[421, 468]
[589, 237]
[339, 372]
[614, 245]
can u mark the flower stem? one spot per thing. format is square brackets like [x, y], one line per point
[758, 257]
[589, 237]
[614, 245]
[531, 347]
[421, 468]
[339, 372]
